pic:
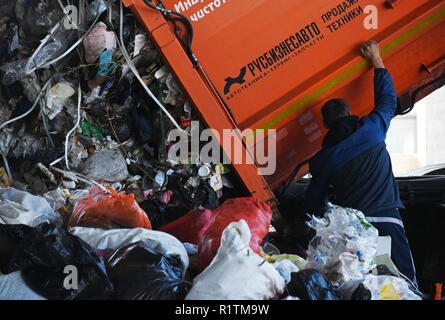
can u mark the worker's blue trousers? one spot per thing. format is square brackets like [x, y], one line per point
[389, 223]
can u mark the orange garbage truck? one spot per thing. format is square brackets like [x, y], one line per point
[267, 66]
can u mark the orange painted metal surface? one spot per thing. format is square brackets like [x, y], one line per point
[275, 62]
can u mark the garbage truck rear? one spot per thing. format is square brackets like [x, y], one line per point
[266, 68]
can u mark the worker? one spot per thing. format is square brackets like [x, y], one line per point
[354, 162]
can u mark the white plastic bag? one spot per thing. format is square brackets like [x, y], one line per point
[13, 287]
[14, 213]
[285, 268]
[376, 284]
[26, 208]
[56, 198]
[236, 272]
[115, 238]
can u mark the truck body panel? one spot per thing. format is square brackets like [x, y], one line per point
[275, 63]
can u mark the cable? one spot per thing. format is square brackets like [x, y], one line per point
[188, 46]
[77, 176]
[45, 125]
[63, 54]
[4, 124]
[167, 13]
[79, 100]
[123, 149]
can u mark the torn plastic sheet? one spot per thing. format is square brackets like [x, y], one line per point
[76, 153]
[13, 71]
[55, 45]
[106, 164]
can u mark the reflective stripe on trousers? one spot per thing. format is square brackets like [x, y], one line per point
[400, 250]
[386, 219]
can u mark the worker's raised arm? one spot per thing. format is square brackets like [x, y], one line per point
[385, 99]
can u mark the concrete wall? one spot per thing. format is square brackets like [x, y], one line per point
[417, 139]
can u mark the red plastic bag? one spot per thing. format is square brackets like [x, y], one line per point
[256, 213]
[204, 227]
[109, 212]
[190, 227]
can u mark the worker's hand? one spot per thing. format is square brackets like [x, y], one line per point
[370, 51]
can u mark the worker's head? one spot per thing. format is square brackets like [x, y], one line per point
[333, 111]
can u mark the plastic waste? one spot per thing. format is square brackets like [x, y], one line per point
[77, 153]
[141, 273]
[139, 42]
[21, 207]
[389, 288]
[197, 221]
[13, 213]
[344, 246]
[117, 238]
[42, 253]
[105, 63]
[52, 46]
[108, 212]
[354, 290]
[13, 71]
[285, 268]
[56, 98]
[298, 261]
[106, 164]
[5, 181]
[13, 287]
[97, 41]
[92, 130]
[236, 273]
[161, 214]
[311, 284]
[56, 198]
[256, 213]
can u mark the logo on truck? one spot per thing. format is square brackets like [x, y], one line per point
[230, 81]
[274, 58]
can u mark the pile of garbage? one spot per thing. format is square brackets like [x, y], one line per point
[91, 103]
[92, 206]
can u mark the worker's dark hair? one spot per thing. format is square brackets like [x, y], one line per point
[333, 111]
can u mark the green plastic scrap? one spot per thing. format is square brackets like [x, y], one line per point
[91, 130]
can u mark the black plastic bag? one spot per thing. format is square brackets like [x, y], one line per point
[160, 213]
[140, 273]
[43, 253]
[311, 284]
[361, 293]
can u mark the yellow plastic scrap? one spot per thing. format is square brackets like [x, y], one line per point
[295, 259]
[388, 292]
[4, 179]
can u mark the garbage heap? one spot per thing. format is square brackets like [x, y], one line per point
[92, 206]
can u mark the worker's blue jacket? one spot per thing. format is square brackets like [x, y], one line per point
[354, 159]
